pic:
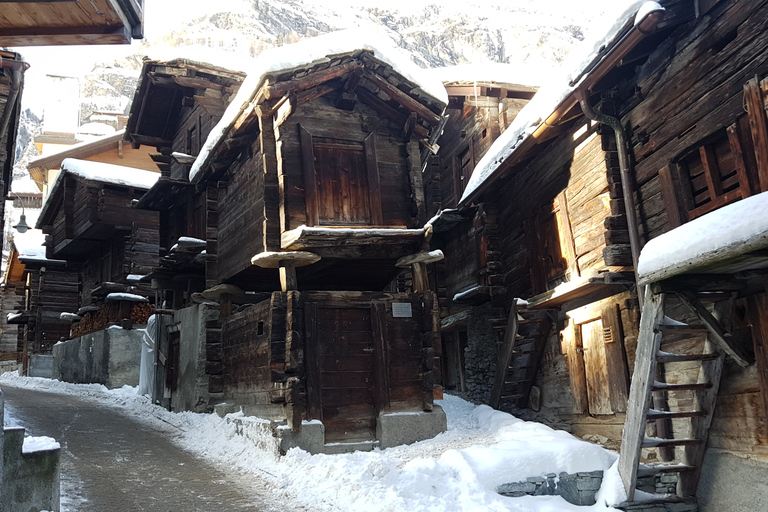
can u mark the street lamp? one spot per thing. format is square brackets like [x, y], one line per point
[22, 226]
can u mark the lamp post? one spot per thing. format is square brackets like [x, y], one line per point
[22, 225]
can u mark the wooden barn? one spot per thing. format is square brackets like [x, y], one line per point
[106, 244]
[312, 196]
[12, 68]
[664, 125]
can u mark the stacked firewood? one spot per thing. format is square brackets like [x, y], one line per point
[141, 312]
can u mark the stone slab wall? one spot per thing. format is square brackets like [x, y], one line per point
[30, 480]
[111, 357]
[40, 365]
[191, 393]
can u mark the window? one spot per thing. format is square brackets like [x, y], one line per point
[711, 174]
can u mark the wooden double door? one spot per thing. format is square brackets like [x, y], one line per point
[344, 358]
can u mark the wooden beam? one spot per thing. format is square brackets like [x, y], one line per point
[379, 106]
[711, 171]
[753, 101]
[404, 99]
[738, 160]
[718, 334]
[310, 80]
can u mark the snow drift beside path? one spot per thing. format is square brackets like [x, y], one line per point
[458, 470]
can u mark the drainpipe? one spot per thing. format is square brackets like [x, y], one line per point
[16, 67]
[624, 168]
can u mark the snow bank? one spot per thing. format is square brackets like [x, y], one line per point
[39, 444]
[735, 229]
[306, 52]
[458, 470]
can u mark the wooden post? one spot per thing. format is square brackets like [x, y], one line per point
[288, 281]
[420, 281]
[225, 305]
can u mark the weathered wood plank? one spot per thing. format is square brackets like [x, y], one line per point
[648, 342]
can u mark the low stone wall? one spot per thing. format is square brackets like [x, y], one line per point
[28, 481]
[581, 488]
[111, 357]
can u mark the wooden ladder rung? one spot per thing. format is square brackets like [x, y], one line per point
[656, 442]
[682, 358]
[663, 386]
[682, 329]
[645, 470]
[661, 415]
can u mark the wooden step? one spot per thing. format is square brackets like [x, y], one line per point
[654, 414]
[656, 442]
[652, 470]
[665, 357]
[682, 329]
[663, 386]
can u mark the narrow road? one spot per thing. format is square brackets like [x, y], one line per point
[110, 462]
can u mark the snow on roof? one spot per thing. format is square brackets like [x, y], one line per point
[132, 297]
[549, 97]
[308, 51]
[30, 244]
[735, 229]
[495, 72]
[203, 56]
[104, 173]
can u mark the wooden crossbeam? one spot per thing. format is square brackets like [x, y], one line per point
[719, 336]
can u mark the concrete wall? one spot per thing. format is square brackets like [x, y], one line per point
[732, 483]
[40, 365]
[110, 357]
[191, 392]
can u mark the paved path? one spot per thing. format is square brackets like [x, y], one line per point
[110, 462]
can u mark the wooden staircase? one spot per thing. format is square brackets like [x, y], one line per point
[682, 411]
[520, 351]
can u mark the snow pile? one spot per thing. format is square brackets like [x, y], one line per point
[132, 297]
[305, 53]
[546, 101]
[39, 444]
[735, 229]
[458, 470]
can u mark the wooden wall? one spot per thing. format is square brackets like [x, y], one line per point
[195, 123]
[53, 291]
[322, 119]
[241, 217]
[693, 87]
[572, 180]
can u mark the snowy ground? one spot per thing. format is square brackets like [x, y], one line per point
[458, 470]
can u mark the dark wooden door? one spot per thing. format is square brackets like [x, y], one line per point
[342, 183]
[341, 371]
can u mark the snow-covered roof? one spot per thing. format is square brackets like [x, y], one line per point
[30, 244]
[551, 96]
[726, 233]
[492, 72]
[306, 52]
[103, 173]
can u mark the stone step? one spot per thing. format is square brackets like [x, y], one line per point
[353, 446]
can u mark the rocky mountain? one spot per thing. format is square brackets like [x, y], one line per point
[517, 32]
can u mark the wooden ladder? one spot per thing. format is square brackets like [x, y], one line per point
[648, 391]
[520, 352]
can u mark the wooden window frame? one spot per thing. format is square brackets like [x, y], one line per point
[311, 200]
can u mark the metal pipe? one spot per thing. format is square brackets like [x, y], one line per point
[624, 169]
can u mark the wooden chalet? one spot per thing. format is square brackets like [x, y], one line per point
[176, 105]
[312, 194]
[663, 126]
[12, 69]
[70, 22]
[109, 149]
[106, 245]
